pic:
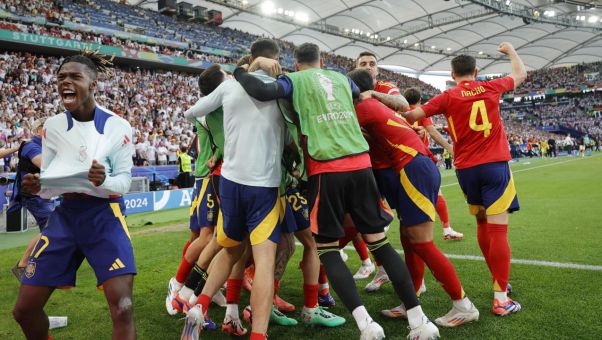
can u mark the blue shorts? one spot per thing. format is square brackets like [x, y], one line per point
[387, 181]
[39, 207]
[94, 229]
[245, 209]
[418, 186]
[204, 207]
[489, 186]
[296, 212]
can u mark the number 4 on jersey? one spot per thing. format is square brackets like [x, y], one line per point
[478, 108]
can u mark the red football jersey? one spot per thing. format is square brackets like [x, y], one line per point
[472, 109]
[390, 132]
[386, 87]
[378, 157]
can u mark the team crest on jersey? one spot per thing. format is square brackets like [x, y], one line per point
[30, 269]
[83, 153]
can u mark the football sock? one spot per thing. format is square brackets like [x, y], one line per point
[183, 270]
[441, 207]
[196, 279]
[414, 263]
[350, 233]
[340, 277]
[310, 295]
[204, 301]
[483, 239]
[258, 336]
[499, 256]
[233, 289]
[276, 286]
[322, 279]
[361, 316]
[185, 249]
[415, 316]
[441, 268]
[397, 271]
[362, 250]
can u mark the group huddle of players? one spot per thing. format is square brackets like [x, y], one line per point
[323, 157]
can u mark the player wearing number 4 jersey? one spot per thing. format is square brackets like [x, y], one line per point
[481, 159]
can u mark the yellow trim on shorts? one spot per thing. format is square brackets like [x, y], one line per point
[265, 228]
[417, 197]
[502, 204]
[223, 239]
[119, 215]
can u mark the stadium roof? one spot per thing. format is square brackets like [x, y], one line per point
[424, 35]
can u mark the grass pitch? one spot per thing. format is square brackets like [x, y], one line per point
[558, 223]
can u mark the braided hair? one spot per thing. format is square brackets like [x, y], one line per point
[96, 62]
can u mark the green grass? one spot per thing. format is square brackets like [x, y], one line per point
[558, 221]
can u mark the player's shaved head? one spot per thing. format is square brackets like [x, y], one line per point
[266, 48]
[362, 78]
[463, 65]
[307, 53]
[412, 95]
[210, 79]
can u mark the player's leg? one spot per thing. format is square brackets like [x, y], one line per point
[118, 292]
[232, 323]
[285, 250]
[108, 249]
[313, 314]
[448, 232]
[53, 263]
[498, 199]
[327, 203]
[29, 311]
[370, 218]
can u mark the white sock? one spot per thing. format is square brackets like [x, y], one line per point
[501, 296]
[415, 316]
[463, 304]
[381, 271]
[447, 230]
[361, 316]
[232, 311]
[367, 262]
[308, 310]
[324, 286]
[186, 293]
[193, 299]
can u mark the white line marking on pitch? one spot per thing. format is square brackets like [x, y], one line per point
[517, 261]
[527, 169]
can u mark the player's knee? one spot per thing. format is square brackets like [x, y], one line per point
[20, 313]
[122, 312]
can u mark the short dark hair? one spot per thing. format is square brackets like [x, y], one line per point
[266, 48]
[463, 65]
[210, 79]
[307, 53]
[362, 79]
[366, 54]
[413, 95]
